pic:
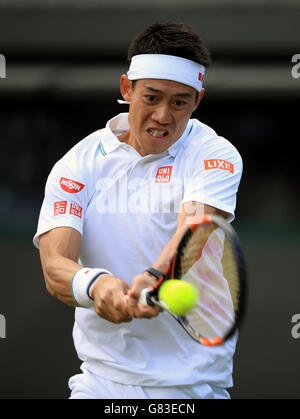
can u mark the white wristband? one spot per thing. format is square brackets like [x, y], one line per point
[81, 284]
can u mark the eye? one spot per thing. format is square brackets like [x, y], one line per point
[150, 98]
[180, 103]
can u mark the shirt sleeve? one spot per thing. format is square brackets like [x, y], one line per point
[66, 197]
[214, 176]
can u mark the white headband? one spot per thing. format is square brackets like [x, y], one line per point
[166, 67]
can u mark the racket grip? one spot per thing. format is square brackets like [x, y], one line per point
[145, 297]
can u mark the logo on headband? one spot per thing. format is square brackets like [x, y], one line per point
[201, 77]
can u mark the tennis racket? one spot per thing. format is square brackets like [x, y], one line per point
[210, 257]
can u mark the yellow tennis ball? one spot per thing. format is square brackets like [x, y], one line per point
[178, 295]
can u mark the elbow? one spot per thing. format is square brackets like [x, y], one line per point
[49, 286]
[50, 289]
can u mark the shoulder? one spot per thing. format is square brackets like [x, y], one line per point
[84, 152]
[82, 157]
[206, 144]
[77, 169]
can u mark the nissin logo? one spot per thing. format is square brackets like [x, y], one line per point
[71, 186]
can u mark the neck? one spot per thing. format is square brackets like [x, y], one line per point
[128, 138]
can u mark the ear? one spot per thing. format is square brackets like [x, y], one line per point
[125, 87]
[200, 97]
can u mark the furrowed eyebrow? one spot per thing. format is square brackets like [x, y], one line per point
[153, 90]
[186, 95]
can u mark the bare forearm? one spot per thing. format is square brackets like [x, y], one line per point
[59, 253]
[191, 212]
[168, 252]
[58, 273]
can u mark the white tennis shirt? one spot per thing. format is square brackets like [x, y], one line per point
[126, 207]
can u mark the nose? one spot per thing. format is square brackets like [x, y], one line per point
[162, 114]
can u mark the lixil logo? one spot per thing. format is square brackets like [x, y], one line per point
[219, 164]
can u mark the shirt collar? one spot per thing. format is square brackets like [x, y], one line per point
[115, 127]
[119, 124]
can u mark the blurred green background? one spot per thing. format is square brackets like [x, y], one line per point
[64, 60]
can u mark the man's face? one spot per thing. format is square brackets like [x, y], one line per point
[158, 114]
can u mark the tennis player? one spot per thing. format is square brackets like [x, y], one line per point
[117, 203]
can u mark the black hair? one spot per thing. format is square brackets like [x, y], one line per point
[171, 38]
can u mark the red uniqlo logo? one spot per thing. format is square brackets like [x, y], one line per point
[76, 210]
[219, 164]
[164, 174]
[201, 76]
[60, 207]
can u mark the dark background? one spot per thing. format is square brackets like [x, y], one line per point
[64, 60]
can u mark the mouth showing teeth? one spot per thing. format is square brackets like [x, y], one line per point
[157, 134]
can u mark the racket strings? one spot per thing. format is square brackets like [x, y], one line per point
[207, 261]
[192, 250]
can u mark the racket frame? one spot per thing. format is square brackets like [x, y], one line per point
[172, 272]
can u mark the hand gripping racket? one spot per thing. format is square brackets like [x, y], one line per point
[210, 257]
